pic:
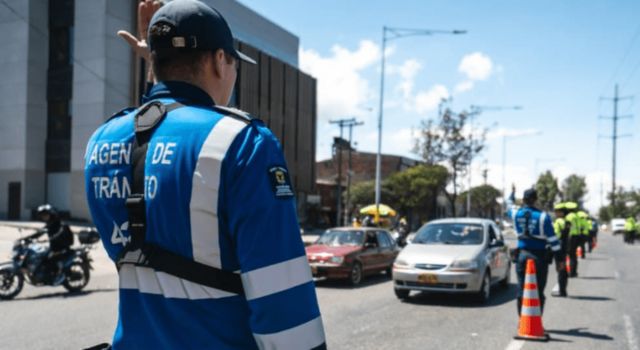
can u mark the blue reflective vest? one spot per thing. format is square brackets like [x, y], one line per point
[540, 229]
[217, 191]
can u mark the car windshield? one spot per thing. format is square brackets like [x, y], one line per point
[341, 238]
[450, 233]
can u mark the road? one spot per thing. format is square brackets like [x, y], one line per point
[602, 312]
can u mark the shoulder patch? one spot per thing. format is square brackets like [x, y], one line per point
[121, 113]
[280, 181]
[234, 113]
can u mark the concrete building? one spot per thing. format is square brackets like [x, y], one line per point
[65, 72]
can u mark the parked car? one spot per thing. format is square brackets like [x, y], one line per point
[351, 253]
[453, 255]
[617, 226]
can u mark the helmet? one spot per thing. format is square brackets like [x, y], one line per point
[46, 212]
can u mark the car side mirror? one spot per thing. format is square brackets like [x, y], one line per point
[496, 244]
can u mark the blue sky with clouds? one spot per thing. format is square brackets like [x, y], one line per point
[554, 58]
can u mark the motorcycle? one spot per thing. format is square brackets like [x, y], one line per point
[30, 263]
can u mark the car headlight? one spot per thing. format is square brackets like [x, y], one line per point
[337, 259]
[401, 264]
[464, 265]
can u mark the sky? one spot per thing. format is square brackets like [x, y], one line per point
[555, 59]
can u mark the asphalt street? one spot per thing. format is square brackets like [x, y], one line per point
[602, 311]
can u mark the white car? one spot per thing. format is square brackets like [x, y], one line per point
[453, 255]
[617, 225]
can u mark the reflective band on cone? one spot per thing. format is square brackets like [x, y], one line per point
[530, 327]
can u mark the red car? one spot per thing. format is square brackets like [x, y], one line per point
[351, 253]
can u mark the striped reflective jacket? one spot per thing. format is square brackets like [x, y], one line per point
[217, 191]
[540, 229]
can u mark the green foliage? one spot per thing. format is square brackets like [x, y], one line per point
[363, 193]
[416, 188]
[574, 188]
[627, 204]
[449, 142]
[484, 201]
[412, 191]
[548, 191]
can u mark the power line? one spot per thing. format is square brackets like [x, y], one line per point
[79, 63]
[616, 99]
[624, 59]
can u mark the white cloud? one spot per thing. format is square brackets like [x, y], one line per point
[342, 90]
[464, 86]
[428, 100]
[407, 72]
[500, 132]
[476, 66]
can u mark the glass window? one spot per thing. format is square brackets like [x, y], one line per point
[341, 238]
[384, 240]
[450, 233]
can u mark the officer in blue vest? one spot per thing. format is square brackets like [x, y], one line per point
[535, 234]
[194, 203]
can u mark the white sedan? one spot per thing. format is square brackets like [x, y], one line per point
[453, 255]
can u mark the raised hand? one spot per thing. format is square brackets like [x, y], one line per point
[146, 9]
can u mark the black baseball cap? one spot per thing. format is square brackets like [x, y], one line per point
[530, 195]
[196, 26]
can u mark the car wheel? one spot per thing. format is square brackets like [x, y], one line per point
[401, 293]
[484, 294]
[507, 279]
[389, 271]
[355, 276]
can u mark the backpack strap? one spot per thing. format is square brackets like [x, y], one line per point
[138, 251]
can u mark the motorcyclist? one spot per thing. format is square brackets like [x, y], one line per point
[60, 238]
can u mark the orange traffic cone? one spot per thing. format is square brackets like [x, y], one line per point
[579, 252]
[567, 264]
[530, 316]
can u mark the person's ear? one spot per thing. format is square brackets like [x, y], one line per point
[219, 61]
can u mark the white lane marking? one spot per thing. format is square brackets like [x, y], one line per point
[517, 345]
[616, 274]
[631, 336]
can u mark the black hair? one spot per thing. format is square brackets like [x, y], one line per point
[170, 63]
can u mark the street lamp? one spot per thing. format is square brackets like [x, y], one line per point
[474, 111]
[391, 33]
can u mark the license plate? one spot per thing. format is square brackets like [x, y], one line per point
[428, 278]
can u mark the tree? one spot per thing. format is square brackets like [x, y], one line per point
[414, 191]
[363, 193]
[627, 204]
[547, 188]
[574, 188]
[484, 199]
[449, 142]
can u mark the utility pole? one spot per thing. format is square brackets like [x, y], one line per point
[614, 137]
[338, 144]
[349, 171]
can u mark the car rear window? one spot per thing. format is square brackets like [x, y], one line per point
[339, 238]
[450, 233]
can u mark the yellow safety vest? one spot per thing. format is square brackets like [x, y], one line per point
[558, 226]
[574, 221]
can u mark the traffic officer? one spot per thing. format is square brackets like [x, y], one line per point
[585, 227]
[535, 232]
[194, 203]
[630, 230]
[575, 234]
[561, 230]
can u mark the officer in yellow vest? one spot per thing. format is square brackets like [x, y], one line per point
[561, 229]
[585, 227]
[575, 234]
[629, 230]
